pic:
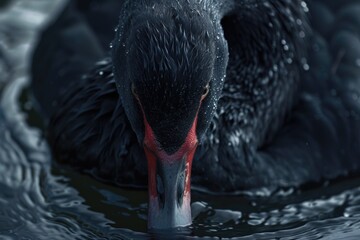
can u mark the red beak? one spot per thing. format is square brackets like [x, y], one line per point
[169, 181]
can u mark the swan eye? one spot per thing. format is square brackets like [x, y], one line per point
[205, 92]
[134, 92]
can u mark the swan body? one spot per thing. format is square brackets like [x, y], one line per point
[241, 94]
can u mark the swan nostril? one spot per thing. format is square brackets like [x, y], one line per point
[180, 188]
[160, 190]
[181, 182]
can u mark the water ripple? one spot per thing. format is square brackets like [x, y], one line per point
[41, 200]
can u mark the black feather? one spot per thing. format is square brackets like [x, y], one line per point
[288, 112]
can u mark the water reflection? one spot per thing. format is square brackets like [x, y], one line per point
[41, 200]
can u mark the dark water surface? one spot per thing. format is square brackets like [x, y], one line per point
[41, 200]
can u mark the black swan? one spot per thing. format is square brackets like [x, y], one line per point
[239, 94]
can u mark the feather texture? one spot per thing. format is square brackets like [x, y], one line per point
[288, 112]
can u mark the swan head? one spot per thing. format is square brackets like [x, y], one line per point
[169, 67]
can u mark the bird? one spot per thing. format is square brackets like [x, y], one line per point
[223, 96]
